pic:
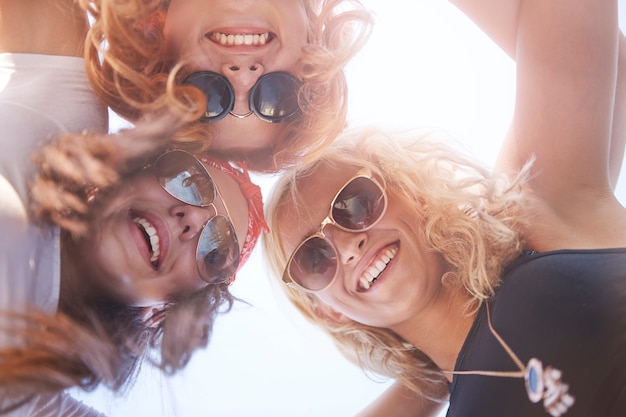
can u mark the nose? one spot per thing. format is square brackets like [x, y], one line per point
[349, 245]
[190, 220]
[243, 76]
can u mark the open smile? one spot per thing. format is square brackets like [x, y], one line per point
[240, 39]
[377, 267]
[151, 236]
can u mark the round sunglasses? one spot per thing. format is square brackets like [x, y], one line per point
[357, 207]
[273, 98]
[186, 179]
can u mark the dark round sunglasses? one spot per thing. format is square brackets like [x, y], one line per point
[186, 179]
[357, 207]
[273, 98]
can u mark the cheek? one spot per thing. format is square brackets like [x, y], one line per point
[173, 32]
[299, 23]
[183, 278]
[105, 257]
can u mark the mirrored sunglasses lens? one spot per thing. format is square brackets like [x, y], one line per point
[359, 205]
[185, 178]
[220, 97]
[275, 96]
[218, 251]
[314, 264]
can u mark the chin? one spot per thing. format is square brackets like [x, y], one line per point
[245, 136]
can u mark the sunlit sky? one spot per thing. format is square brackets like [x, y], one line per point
[426, 64]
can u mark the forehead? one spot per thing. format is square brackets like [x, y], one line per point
[234, 201]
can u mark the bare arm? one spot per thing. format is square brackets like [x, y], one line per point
[397, 401]
[50, 27]
[499, 20]
[567, 55]
[618, 131]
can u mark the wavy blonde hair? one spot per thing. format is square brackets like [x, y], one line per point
[470, 217]
[127, 67]
[93, 342]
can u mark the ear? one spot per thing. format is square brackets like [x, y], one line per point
[153, 316]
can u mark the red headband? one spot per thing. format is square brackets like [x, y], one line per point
[252, 193]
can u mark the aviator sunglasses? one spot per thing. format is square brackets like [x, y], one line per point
[273, 98]
[186, 179]
[357, 207]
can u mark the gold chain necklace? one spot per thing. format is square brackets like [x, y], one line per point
[540, 383]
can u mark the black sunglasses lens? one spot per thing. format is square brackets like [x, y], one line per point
[359, 205]
[218, 251]
[313, 264]
[274, 97]
[185, 178]
[220, 97]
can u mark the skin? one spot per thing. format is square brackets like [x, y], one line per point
[357, 252]
[188, 36]
[25, 27]
[114, 256]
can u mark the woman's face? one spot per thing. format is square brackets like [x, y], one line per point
[141, 220]
[409, 275]
[242, 40]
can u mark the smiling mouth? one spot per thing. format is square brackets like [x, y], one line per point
[240, 39]
[152, 239]
[377, 268]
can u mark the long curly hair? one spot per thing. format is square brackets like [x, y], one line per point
[470, 217]
[93, 342]
[128, 68]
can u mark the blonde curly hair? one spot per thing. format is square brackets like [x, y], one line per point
[126, 64]
[470, 217]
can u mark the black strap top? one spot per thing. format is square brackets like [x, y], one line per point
[567, 309]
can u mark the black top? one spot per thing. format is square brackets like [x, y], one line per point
[565, 308]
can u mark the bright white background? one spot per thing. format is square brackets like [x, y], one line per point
[426, 64]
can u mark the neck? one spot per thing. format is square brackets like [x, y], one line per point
[441, 330]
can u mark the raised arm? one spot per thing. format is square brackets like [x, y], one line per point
[567, 55]
[499, 20]
[618, 128]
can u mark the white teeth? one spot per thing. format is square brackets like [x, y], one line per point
[377, 268]
[151, 232]
[365, 284]
[239, 39]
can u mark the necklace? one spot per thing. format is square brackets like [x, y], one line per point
[541, 383]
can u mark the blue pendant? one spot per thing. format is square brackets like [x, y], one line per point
[534, 380]
[547, 385]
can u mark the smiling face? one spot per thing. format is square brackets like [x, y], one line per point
[241, 40]
[386, 275]
[142, 249]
